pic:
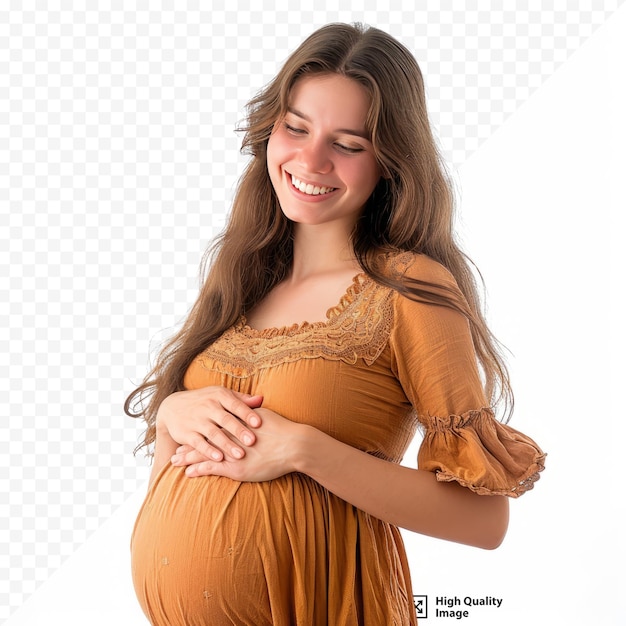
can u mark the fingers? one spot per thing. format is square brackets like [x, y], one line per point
[206, 468]
[207, 448]
[239, 404]
[186, 455]
[210, 468]
[197, 464]
[218, 443]
[254, 402]
[216, 421]
[227, 431]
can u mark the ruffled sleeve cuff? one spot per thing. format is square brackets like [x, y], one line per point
[480, 453]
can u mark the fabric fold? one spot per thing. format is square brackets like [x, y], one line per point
[480, 453]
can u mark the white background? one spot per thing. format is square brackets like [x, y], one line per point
[105, 228]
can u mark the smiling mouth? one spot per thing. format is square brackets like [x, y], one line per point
[309, 189]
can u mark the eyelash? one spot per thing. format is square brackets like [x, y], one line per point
[300, 131]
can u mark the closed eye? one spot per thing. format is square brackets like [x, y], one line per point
[300, 131]
[348, 149]
[292, 129]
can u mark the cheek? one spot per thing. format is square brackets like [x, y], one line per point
[272, 159]
[277, 149]
[269, 154]
[365, 175]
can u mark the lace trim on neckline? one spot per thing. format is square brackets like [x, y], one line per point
[357, 327]
[359, 282]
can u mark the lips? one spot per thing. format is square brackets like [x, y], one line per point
[310, 189]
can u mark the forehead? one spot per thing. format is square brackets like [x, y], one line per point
[331, 98]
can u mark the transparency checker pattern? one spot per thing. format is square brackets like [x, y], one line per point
[118, 159]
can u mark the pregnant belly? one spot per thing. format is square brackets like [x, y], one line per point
[212, 550]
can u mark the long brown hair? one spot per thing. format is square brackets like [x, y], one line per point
[411, 209]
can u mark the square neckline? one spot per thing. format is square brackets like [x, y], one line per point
[349, 296]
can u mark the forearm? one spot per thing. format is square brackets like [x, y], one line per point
[164, 448]
[409, 498]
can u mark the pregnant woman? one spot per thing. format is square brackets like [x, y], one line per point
[337, 317]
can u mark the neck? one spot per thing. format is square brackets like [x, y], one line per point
[319, 250]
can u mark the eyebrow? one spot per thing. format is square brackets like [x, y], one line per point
[347, 131]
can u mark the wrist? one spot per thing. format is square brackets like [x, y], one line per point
[308, 440]
[161, 428]
[159, 420]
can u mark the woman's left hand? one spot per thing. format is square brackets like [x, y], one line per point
[271, 456]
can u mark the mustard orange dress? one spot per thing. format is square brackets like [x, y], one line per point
[211, 551]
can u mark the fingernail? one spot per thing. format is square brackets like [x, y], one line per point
[175, 458]
[237, 453]
[216, 455]
[255, 421]
[247, 439]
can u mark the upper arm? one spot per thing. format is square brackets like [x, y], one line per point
[433, 352]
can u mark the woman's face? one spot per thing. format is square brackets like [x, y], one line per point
[319, 157]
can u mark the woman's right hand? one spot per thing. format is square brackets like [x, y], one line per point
[199, 418]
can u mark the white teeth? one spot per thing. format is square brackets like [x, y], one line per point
[309, 189]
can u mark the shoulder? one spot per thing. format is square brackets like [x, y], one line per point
[427, 291]
[412, 267]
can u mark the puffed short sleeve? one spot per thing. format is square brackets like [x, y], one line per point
[434, 359]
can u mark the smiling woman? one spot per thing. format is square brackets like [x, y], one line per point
[337, 317]
[321, 171]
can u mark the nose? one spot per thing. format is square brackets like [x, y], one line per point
[315, 157]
